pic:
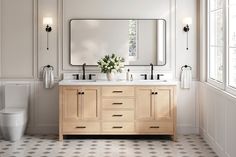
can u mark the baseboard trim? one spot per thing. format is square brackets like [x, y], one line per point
[187, 129]
[43, 129]
[217, 149]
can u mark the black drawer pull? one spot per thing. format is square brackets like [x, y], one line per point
[117, 115]
[116, 91]
[117, 127]
[154, 127]
[80, 127]
[117, 103]
[153, 93]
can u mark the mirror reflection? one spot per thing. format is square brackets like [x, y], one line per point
[140, 42]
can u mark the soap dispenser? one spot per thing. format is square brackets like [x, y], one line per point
[128, 75]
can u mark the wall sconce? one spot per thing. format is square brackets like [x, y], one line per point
[48, 22]
[187, 21]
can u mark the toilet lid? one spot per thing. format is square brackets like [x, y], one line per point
[12, 111]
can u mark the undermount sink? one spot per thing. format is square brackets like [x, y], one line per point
[81, 80]
[151, 80]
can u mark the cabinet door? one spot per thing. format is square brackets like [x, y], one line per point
[164, 103]
[90, 103]
[144, 103]
[71, 104]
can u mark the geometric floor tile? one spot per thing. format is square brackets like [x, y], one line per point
[106, 146]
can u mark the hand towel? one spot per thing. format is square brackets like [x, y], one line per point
[48, 78]
[186, 78]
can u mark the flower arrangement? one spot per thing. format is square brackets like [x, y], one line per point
[110, 64]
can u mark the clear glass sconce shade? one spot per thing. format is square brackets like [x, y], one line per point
[187, 21]
[47, 21]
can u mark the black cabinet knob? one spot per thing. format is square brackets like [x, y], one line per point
[82, 93]
[153, 93]
[156, 93]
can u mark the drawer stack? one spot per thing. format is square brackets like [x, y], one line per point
[118, 109]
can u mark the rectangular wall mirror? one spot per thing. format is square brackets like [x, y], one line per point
[139, 41]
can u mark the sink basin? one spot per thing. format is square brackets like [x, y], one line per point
[81, 80]
[151, 80]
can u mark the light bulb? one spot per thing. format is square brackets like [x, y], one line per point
[47, 21]
[187, 21]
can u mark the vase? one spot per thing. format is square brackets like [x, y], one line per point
[110, 76]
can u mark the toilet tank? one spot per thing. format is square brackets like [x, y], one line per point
[16, 95]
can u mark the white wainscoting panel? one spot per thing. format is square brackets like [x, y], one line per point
[45, 113]
[187, 110]
[217, 120]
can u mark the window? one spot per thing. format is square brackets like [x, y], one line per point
[232, 44]
[222, 44]
[216, 42]
[133, 40]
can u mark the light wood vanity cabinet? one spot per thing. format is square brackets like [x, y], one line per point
[79, 110]
[155, 110]
[117, 110]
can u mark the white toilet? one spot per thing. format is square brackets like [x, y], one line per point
[13, 117]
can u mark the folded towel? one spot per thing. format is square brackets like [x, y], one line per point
[186, 78]
[48, 77]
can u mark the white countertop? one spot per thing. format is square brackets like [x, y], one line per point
[119, 82]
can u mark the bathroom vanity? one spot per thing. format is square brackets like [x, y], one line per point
[117, 108]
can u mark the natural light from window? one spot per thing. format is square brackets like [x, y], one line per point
[232, 44]
[216, 42]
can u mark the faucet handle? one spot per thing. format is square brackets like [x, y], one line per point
[76, 76]
[158, 76]
[145, 76]
[91, 75]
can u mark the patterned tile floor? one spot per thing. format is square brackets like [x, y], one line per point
[94, 146]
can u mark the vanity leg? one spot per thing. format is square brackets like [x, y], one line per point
[60, 137]
[174, 138]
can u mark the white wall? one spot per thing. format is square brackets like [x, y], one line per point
[23, 53]
[217, 123]
[217, 108]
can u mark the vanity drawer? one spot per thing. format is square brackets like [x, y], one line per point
[117, 115]
[118, 91]
[117, 127]
[114, 103]
[81, 127]
[155, 127]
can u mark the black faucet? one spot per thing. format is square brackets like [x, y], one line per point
[83, 67]
[151, 71]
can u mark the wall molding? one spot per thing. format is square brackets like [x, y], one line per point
[54, 51]
[34, 37]
[171, 49]
[1, 39]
